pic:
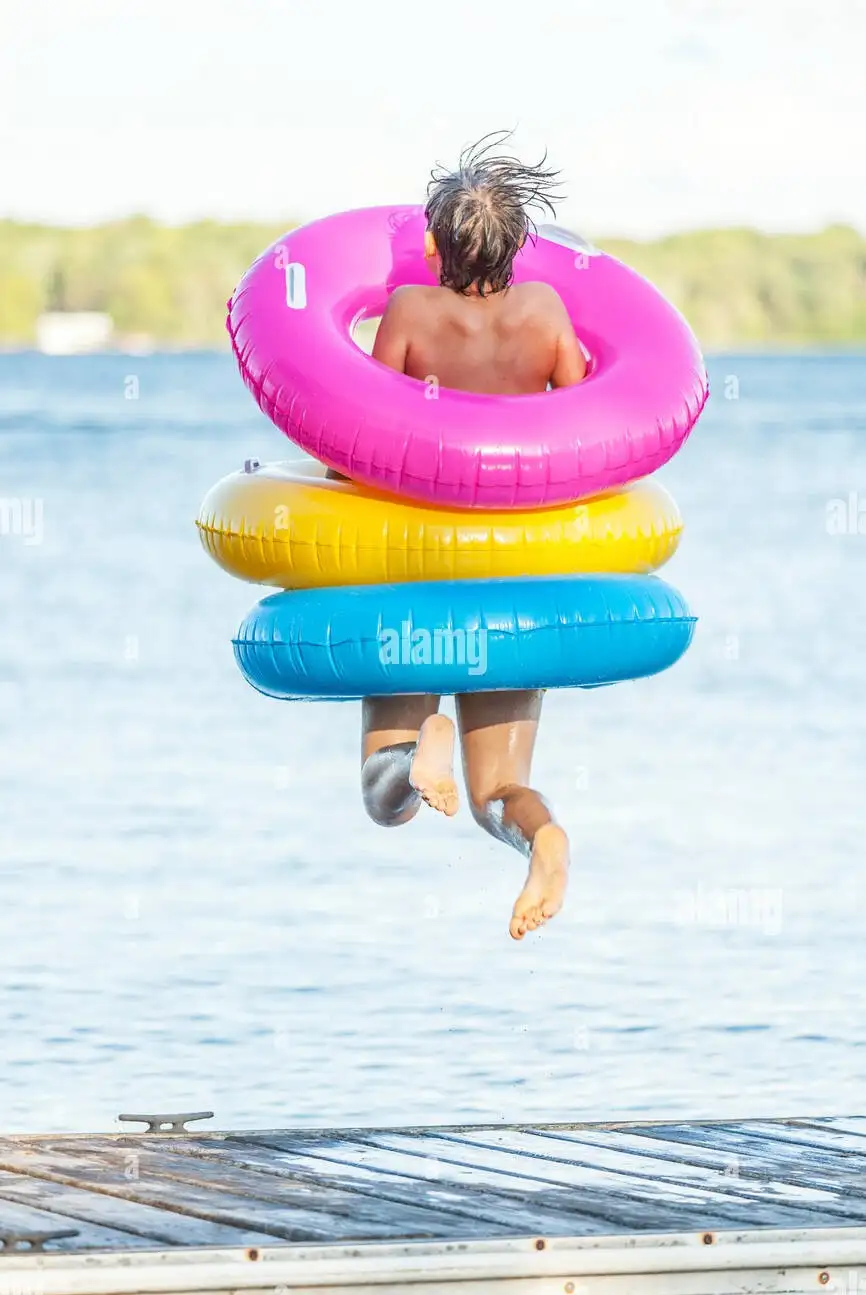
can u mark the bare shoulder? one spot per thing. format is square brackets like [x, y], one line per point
[542, 300]
[410, 297]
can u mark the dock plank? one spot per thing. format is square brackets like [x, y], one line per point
[579, 1212]
[552, 1213]
[436, 1186]
[610, 1153]
[296, 1211]
[314, 1192]
[771, 1144]
[726, 1207]
[72, 1207]
[762, 1165]
[855, 1125]
[15, 1218]
[811, 1136]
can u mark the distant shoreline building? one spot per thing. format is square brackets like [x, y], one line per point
[73, 332]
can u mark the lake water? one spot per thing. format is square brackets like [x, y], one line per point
[195, 912]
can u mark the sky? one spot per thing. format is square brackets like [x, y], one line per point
[662, 114]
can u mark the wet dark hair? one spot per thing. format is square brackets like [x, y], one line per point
[478, 214]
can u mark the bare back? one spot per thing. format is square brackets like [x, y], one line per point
[512, 342]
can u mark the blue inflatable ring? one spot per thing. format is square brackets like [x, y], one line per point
[458, 636]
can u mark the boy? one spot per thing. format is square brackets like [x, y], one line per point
[476, 332]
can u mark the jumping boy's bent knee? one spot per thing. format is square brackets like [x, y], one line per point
[388, 795]
[512, 814]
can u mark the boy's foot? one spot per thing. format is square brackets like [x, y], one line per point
[544, 891]
[432, 770]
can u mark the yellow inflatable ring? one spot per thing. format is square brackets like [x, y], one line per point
[284, 524]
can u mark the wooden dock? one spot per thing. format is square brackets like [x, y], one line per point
[672, 1209]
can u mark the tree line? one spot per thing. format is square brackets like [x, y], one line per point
[171, 283]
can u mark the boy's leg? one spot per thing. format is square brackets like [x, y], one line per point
[407, 754]
[498, 731]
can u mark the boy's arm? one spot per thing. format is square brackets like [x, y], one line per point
[391, 346]
[569, 363]
[570, 366]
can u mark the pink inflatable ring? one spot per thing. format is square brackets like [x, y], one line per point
[291, 321]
